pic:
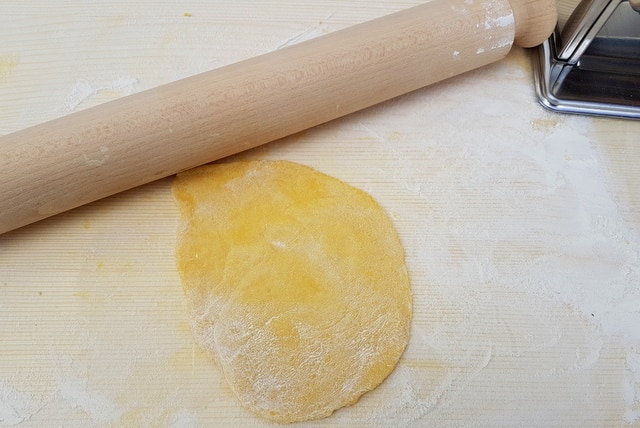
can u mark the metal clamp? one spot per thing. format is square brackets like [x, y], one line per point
[592, 65]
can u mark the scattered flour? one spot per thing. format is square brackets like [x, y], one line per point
[98, 407]
[632, 388]
[15, 406]
[84, 90]
[528, 218]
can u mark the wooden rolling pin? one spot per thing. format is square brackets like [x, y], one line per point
[94, 153]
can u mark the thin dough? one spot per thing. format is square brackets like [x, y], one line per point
[297, 284]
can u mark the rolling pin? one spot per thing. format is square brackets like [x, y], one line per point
[97, 152]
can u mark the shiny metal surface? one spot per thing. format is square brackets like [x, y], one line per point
[592, 64]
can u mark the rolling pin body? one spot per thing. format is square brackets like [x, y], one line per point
[94, 153]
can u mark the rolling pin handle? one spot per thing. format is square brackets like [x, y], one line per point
[535, 20]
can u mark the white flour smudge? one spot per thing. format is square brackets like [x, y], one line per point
[17, 406]
[84, 90]
[499, 22]
[95, 405]
[99, 158]
[632, 388]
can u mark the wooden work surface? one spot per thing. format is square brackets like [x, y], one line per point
[521, 229]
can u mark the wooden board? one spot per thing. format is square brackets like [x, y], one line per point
[521, 229]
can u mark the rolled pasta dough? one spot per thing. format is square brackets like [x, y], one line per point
[297, 284]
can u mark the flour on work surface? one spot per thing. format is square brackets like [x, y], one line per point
[16, 406]
[100, 409]
[307, 34]
[524, 265]
[83, 90]
[297, 285]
